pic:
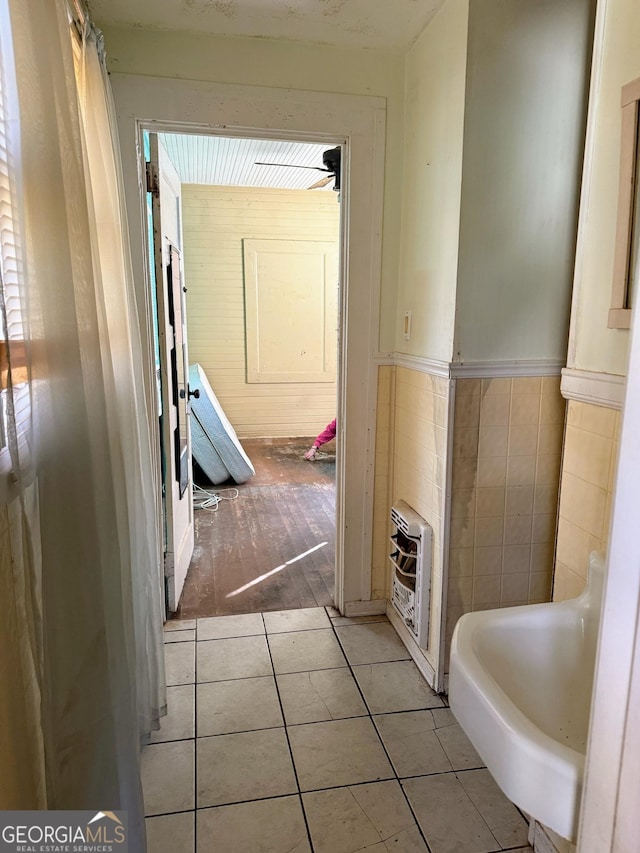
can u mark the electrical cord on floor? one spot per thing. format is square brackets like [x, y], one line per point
[204, 499]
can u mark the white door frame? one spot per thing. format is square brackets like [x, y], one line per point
[610, 816]
[167, 104]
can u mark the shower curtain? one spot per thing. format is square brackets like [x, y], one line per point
[85, 555]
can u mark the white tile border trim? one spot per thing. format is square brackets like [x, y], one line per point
[375, 607]
[600, 389]
[472, 370]
[506, 369]
[422, 365]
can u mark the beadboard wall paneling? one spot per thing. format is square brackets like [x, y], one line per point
[215, 222]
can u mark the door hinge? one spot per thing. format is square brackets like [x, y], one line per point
[153, 179]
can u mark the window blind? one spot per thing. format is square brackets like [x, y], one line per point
[9, 235]
[14, 409]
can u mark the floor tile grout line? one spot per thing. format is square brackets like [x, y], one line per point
[229, 680]
[246, 677]
[168, 814]
[479, 813]
[286, 734]
[330, 719]
[440, 772]
[517, 847]
[267, 728]
[393, 778]
[296, 794]
[169, 740]
[375, 728]
[238, 802]
[353, 675]
[414, 710]
[231, 637]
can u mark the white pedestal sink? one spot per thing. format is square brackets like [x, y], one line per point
[520, 686]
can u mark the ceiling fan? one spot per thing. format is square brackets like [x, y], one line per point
[331, 161]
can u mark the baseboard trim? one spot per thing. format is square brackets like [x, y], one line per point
[599, 389]
[365, 608]
[542, 842]
[414, 650]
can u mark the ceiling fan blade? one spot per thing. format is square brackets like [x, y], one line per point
[321, 183]
[293, 166]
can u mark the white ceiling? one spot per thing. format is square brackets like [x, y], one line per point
[393, 24]
[226, 161]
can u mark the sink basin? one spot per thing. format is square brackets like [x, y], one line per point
[520, 685]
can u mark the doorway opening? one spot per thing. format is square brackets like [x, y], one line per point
[257, 225]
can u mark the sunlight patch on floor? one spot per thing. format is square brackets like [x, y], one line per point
[277, 569]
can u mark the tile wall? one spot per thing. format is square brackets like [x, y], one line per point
[506, 468]
[588, 473]
[506, 460]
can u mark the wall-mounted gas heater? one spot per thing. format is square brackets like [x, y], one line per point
[411, 569]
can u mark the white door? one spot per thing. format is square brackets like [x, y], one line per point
[164, 185]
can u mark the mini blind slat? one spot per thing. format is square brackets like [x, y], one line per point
[9, 240]
[15, 388]
[15, 404]
[22, 402]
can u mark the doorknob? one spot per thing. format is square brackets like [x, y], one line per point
[189, 393]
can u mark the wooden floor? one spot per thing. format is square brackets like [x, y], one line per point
[273, 548]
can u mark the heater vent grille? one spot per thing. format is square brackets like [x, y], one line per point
[411, 543]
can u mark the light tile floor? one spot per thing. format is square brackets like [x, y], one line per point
[305, 732]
